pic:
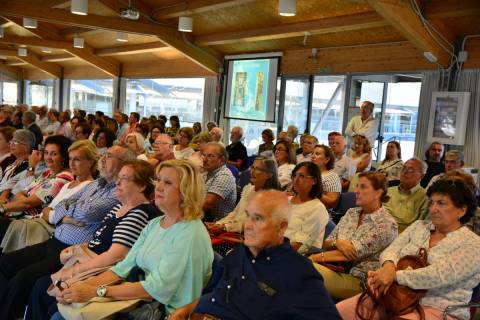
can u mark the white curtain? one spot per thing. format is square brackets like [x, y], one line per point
[430, 83]
[469, 81]
[210, 100]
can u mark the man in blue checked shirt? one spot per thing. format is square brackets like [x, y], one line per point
[76, 219]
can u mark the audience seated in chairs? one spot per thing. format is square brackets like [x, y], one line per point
[76, 220]
[358, 238]
[198, 143]
[112, 240]
[308, 142]
[362, 153]
[174, 250]
[6, 157]
[324, 158]
[266, 148]
[408, 202]
[237, 153]
[306, 227]
[162, 150]
[103, 139]
[392, 164]
[454, 265]
[83, 157]
[264, 278]
[135, 142]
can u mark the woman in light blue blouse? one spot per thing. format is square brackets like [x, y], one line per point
[174, 250]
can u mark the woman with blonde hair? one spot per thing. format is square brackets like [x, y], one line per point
[174, 250]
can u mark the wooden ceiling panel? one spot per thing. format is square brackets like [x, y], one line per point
[108, 39]
[264, 13]
[164, 54]
[339, 39]
[462, 26]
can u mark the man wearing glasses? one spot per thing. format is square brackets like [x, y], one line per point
[453, 161]
[408, 201]
[219, 182]
[162, 149]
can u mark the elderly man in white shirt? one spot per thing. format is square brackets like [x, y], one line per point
[344, 166]
[364, 124]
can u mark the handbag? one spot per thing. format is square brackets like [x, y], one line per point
[399, 299]
[80, 254]
[96, 308]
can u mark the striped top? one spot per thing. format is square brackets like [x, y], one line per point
[124, 230]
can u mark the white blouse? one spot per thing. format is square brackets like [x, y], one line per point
[307, 223]
[285, 174]
[454, 265]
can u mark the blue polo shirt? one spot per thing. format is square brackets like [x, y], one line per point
[277, 284]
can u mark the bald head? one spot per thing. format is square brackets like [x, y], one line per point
[267, 218]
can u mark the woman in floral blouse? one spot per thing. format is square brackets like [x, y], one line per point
[359, 238]
[454, 262]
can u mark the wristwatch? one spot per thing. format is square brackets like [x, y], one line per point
[334, 243]
[102, 291]
[31, 169]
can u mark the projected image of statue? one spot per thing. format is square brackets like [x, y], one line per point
[240, 89]
[259, 94]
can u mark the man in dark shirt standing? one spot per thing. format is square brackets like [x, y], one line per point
[434, 156]
[264, 278]
[237, 153]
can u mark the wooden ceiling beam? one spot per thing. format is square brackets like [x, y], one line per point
[85, 54]
[11, 71]
[16, 63]
[57, 57]
[72, 31]
[52, 69]
[8, 52]
[321, 26]
[194, 7]
[169, 36]
[402, 17]
[131, 49]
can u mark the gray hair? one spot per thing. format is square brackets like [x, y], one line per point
[270, 167]
[30, 115]
[455, 153]
[422, 163]
[126, 154]
[220, 131]
[240, 129]
[221, 149]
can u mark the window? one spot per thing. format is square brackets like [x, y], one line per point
[40, 93]
[9, 92]
[91, 95]
[296, 104]
[181, 96]
[327, 106]
[395, 110]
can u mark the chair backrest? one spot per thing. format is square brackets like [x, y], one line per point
[217, 271]
[250, 160]
[346, 201]
[244, 179]
[329, 228]
[234, 171]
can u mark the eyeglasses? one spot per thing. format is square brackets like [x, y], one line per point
[156, 144]
[302, 176]
[252, 168]
[209, 156]
[16, 143]
[409, 170]
[123, 179]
